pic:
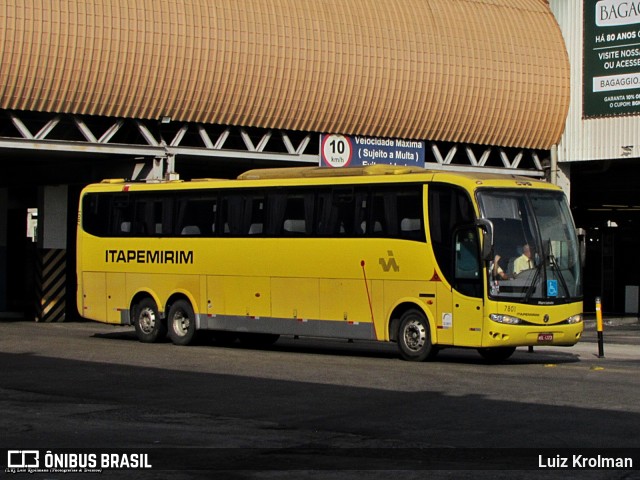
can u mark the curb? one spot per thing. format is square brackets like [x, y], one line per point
[614, 321]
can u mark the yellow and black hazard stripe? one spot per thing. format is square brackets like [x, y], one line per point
[51, 281]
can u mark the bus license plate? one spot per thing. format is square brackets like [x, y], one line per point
[545, 337]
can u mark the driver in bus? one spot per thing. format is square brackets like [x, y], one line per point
[524, 261]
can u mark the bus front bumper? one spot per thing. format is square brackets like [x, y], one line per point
[503, 335]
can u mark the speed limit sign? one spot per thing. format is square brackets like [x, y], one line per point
[336, 151]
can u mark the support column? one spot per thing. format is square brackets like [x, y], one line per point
[51, 279]
[564, 178]
[4, 226]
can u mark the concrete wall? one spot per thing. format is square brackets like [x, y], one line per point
[52, 217]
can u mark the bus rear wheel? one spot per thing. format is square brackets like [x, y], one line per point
[181, 322]
[149, 326]
[414, 337]
[496, 354]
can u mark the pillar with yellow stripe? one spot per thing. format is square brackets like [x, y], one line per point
[51, 257]
[51, 285]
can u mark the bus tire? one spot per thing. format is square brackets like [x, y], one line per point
[181, 322]
[150, 328]
[496, 354]
[414, 337]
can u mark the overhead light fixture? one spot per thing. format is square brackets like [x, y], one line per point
[165, 119]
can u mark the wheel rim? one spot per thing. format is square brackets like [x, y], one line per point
[181, 323]
[415, 335]
[147, 320]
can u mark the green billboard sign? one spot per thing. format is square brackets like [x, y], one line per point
[611, 66]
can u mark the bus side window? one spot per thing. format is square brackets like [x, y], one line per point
[255, 214]
[344, 215]
[121, 221]
[290, 212]
[327, 215]
[344, 202]
[409, 213]
[141, 218]
[383, 214]
[231, 215]
[95, 209]
[243, 213]
[197, 215]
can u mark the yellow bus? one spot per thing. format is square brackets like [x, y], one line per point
[425, 259]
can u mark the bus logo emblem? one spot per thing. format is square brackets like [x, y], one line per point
[390, 263]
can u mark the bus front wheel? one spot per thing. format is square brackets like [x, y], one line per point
[149, 326]
[414, 337]
[181, 322]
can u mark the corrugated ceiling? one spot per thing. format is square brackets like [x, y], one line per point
[478, 71]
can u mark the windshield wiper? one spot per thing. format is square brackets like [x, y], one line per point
[556, 268]
[532, 287]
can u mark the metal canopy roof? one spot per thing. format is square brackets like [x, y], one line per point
[484, 72]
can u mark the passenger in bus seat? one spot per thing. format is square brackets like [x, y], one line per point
[497, 271]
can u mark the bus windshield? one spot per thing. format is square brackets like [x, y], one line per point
[536, 253]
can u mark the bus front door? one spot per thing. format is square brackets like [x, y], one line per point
[467, 294]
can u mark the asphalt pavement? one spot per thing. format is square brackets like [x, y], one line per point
[311, 409]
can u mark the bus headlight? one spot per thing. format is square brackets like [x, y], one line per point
[508, 319]
[574, 319]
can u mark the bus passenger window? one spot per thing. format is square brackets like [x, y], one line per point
[95, 210]
[242, 213]
[409, 214]
[254, 215]
[197, 215]
[290, 212]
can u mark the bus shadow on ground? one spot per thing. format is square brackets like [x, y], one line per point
[366, 349]
[72, 402]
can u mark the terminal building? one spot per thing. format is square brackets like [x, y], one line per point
[194, 88]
